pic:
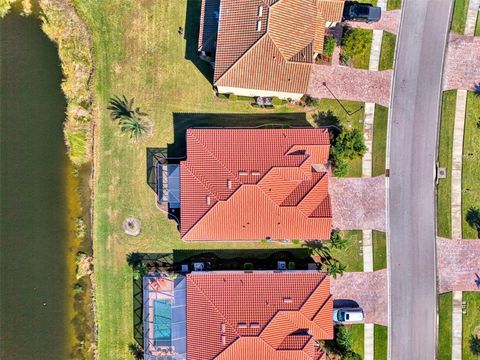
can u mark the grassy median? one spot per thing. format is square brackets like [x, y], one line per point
[445, 143]
[379, 147]
[380, 342]
[387, 52]
[471, 163]
[459, 17]
[445, 326]
[358, 335]
[471, 323]
[379, 240]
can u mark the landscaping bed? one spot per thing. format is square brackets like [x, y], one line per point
[471, 164]
[379, 250]
[471, 323]
[350, 256]
[444, 209]
[356, 46]
[380, 342]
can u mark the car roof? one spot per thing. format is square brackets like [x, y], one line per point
[355, 315]
[374, 13]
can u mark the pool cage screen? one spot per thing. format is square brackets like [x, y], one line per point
[164, 317]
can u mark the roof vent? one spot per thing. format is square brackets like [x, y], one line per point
[254, 325]
[287, 300]
[208, 200]
[243, 173]
[224, 340]
[222, 328]
[256, 173]
[259, 25]
[260, 10]
[242, 325]
[229, 184]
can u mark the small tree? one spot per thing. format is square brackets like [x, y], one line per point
[344, 339]
[473, 219]
[334, 268]
[134, 127]
[134, 259]
[291, 265]
[120, 107]
[349, 144]
[475, 345]
[329, 45]
[139, 271]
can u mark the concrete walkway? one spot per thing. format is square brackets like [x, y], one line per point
[462, 63]
[473, 7]
[375, 50]
[382, 4]
[458, 265]
[457, 154]
[368, 342]
[367, 250]
[368, 139]
[457, 326]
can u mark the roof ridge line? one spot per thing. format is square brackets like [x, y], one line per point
[308, 192]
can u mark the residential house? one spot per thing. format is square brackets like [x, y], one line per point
[252, 184]
[265, 47]
[261, 315]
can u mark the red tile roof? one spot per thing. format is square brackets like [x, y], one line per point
[272, 48]
[249, 184]
[258, 316]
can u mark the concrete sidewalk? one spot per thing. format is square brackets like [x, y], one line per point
[473, 7]
[457, 325]
[457, 158]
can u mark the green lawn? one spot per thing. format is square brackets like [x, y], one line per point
[394, 4]
[330, 112]
[138, 52]
[477, 26]
[379, 147]
[387, 53]
[379, 250]
[356, 44]
[350, 256]
[358, 339]
[444, 213]
[445, 326]
[471, 322]
[380, 342]
[459, 17]
[471, 163]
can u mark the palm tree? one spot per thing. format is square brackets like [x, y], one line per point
[136, 350]
[134, 258]
[318, 248]
[134, 127]
[140, 271]
[335, 268]
[475, 345]
[473, 219]
[336, 241]
[120, 107]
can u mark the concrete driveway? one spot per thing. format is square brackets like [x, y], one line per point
[358, 203]
[368, 290]
[458, 265]
[414, 118]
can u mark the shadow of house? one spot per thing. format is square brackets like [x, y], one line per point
[192, 25]
[184, 121]
[235, 259]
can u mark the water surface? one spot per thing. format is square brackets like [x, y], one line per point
[34, 290]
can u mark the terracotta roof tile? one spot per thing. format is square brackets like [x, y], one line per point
[272, 48]
[258, 316]
[247, 184]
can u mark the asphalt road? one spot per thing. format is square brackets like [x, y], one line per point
[413, 130]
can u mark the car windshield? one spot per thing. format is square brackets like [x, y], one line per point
[341, 316]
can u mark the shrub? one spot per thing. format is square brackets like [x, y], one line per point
[349, 144]
[291, 265]
[329, 45]
[277, 101]
[222, 96]
[355, 41]
[344, 339]
[351, 356]
[233, 97]
[246, 98]
[340, 168]
[313, 102]
[77, 145]
[248, 266]
[296, 241]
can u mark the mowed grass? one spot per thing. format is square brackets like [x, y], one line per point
[379, 240]
[445, 326]
[394, 4]
[477, 26]
[471, 323]
[471, 163]
[379, 147]
[359, 48]
[380, 342]
[387, 52]
[445, 143]
[459, 17]
[138, 53]
[358, 339]
[331, 112]
[350, 256]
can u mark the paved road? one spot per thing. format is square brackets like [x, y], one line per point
[414, 121]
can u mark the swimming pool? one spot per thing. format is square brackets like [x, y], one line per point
[162, 317]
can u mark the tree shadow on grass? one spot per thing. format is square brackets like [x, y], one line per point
[184, 121]
[192, 24]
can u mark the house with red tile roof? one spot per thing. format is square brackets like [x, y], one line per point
[252, 184]
[260, 315]
[265, 47]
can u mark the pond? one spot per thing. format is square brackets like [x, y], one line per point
[35, 263]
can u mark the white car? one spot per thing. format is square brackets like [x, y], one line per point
[348, 316]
